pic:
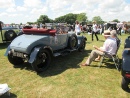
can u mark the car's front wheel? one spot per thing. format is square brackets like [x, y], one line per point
[42, 61]
[15, 60]
[82, 47]
[125, 84]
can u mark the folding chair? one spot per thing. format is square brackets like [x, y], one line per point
[114, 57]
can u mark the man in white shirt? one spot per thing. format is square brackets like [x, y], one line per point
[94, 31]
[110, 46]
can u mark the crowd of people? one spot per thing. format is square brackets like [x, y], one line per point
[95, 28]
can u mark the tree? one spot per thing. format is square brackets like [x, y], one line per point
[116, 20]
[98, 20]
[71, 18]
[89, 22]
[43, 19]
[30, 23]
[82, 17]
[21, 23]
[68, 18]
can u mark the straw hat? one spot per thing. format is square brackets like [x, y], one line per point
[106, 33]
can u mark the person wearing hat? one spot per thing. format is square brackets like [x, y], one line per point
[110, 46]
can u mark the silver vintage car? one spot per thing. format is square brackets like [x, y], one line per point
[37, 46]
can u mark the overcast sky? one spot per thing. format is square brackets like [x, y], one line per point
[22, 11]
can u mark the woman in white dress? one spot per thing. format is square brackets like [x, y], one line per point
[77, 28]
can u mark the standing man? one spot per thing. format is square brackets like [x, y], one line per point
[94, 31]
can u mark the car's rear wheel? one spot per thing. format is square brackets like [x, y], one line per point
[10, 35]
[42, 61]
[15, 60]
[125, 84]
[82, 47]
[72, 42]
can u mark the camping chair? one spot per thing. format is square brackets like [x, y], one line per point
[114, 57]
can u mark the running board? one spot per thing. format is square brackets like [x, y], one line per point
[63, 53]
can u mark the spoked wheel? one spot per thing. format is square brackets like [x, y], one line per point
[42, 61]
[82, 47]
[16, 61]
[10, 35]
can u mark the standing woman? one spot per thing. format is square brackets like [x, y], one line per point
[77, 28]
[94, 31]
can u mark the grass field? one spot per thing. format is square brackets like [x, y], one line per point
[65, 78]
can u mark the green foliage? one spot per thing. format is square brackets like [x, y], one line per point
[116, 20]
[71, 18]
[89, 22]
[43, 19]
[12, 23]
[20, 23]
[68, 18]
[97, 19]
[30, 23]
[82, 17]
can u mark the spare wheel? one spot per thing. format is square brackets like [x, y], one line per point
[10, 35]
[73, 41]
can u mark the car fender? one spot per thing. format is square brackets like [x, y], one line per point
[80, 40]
[29, 42]
[7, 51]
[35, 52]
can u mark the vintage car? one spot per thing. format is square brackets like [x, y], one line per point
[37, 46]
[110, 25]
[8, 33]
[125, 68]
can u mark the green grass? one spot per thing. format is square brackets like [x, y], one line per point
[65, 78]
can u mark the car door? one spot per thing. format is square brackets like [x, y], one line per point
[63, 40]
[58, 41]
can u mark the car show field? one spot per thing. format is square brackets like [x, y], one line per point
[64, 49]
[65, 78]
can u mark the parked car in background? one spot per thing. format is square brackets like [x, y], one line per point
[125, 68]
[38, 46]
[110, 25]
[7, 34]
